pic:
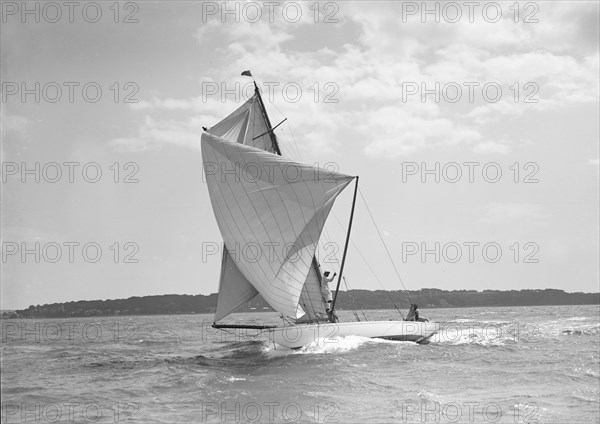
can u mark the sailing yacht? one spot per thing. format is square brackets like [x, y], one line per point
[271, 211]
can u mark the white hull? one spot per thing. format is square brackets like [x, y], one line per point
[296, 336]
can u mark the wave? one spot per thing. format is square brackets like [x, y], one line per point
[239, 350]
[584, 331]
[340, 344]
[503, 333]
[344, 344]
[500, 333]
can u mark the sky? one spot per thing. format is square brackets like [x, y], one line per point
[474, 130]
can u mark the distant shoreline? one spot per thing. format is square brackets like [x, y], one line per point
[348, 300]
[272, 311]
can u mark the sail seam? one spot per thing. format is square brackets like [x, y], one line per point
[312, 264]
[280, 293]
[234, 219]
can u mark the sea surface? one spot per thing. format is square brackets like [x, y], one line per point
[505, 365]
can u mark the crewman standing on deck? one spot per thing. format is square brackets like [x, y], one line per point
[325, 291]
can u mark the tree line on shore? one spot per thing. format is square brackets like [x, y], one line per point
[352, 299]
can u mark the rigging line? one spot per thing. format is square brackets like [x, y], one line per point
[277, 147]
[346, 284]
[274, 142]
[267, 120]
[352, 301]
[362, 256]
[328, 239]
[291, 133]
[337, 287]
[295, 143]
[356, 313]
[383, 242]
[272, 133]
[272, 129]
[298, 152]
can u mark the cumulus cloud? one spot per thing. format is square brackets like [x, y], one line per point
[491, 147]
[395, 132]
[503, 213]
[155, 133]
[551, 69]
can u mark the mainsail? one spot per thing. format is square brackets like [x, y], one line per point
[271, 212]
[249, 125]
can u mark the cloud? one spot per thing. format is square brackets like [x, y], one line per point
[562, 73]
[505, 213]
[368, 71]
[153, 134]
[538, 82]
[502, 146]
[395, 132]
[489, 147]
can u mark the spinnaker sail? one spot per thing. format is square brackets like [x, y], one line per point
[249, 125]
[272, 211]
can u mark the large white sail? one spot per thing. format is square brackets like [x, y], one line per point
[234, 288]
[311, 298]
[233, 285]
[248, 125]
[271, 212]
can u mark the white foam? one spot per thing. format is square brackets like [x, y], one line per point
[328, 345]
[474, 335]
[334, 345]
[343, 344]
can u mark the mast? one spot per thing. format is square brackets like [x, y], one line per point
[337, 288]
[267, 120]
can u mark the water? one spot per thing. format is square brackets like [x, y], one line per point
[507, 365]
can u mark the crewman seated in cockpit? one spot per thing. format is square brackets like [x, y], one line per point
[413, 314]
